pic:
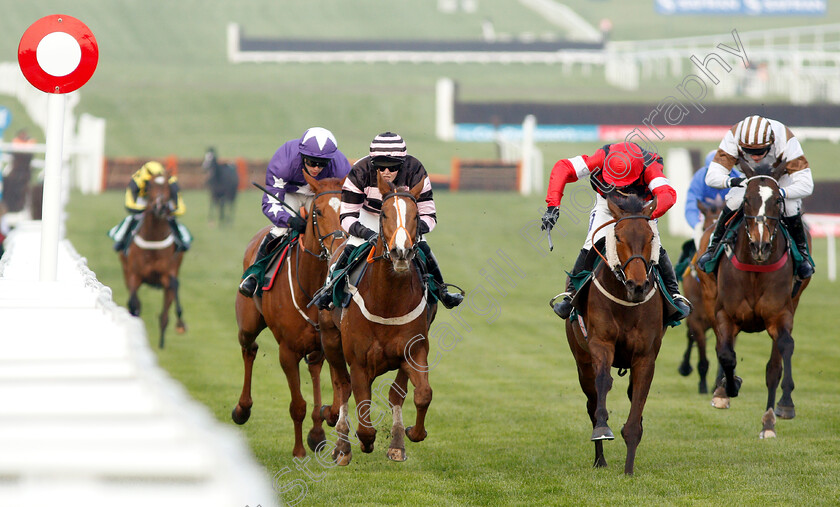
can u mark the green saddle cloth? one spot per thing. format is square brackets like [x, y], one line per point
[260, 266]
[341, 298]
[732, 232]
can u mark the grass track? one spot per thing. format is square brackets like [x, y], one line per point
[507, 424]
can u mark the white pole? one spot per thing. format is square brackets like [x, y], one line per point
[527, 153]
[445, 109]
[51, 208]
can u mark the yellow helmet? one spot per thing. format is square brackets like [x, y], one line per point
[153, 168]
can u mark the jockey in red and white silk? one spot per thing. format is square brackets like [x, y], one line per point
[625, 168]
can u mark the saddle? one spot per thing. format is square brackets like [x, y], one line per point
[266, 268]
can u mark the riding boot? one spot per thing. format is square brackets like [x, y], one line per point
[669, 280]
[248, 286]
[181, 242]
[717, 235]
[324, 301]
[563, 308]
[796, 229]
[449, 299]
[124, 232]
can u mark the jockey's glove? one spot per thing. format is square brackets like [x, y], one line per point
[549, 218]
[423, 228]
[367, 233]
[735, 182]
[297, 224]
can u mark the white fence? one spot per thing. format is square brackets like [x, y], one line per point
[88, 418]
[84, 140]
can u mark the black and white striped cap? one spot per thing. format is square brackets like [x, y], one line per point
[754, 132]
[388, 144]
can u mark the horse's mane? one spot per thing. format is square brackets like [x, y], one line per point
[630, 203]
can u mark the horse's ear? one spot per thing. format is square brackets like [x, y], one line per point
[778, 168]
[614, 208]
[385, 187]
[417, 189]
[650, 208]
[746, 169]
[311, 180]
[702, 206]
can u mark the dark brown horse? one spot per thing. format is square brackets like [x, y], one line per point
[152, 257]
[699, 320]
[384, 328]
[283, 309]
[621, 325]
[754, 291]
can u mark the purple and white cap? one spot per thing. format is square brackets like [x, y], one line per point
[318, 142]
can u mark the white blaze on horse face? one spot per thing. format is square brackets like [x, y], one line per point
[401, 238]
[335, 203]
[766, 194]
[160, 180]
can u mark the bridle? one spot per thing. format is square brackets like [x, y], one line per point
[762, 219]
[619, 270]
[325, 252]
[389, 243]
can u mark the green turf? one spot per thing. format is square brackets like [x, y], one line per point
[507, 424]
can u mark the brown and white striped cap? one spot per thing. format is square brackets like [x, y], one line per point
[754, 132]
[388, 144]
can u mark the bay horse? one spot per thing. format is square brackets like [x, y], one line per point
[755, 290]
[700, 319]
[283, 309]
[384, 328]
[223, 182]
[621, 323]
[152, 257]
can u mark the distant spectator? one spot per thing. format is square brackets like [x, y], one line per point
[16, 184]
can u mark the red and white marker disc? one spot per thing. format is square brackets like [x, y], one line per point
[58, 54]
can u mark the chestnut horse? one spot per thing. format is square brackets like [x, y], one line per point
[699, 320]
[283, 309]
[152, 257]
[754, 291]
[384, 328]
[621, 324]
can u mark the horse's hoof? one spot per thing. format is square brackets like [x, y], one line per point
[396, 454]
[410, 430]
[685, 369]
[181, 329]
[720, 402]
[342, 459]
[315, 438]
[325, 415]
[602, 433]
[785, 412]
[240, 415]
[733, 392]
[767, 434]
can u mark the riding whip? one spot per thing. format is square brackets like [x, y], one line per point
[282, 203]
